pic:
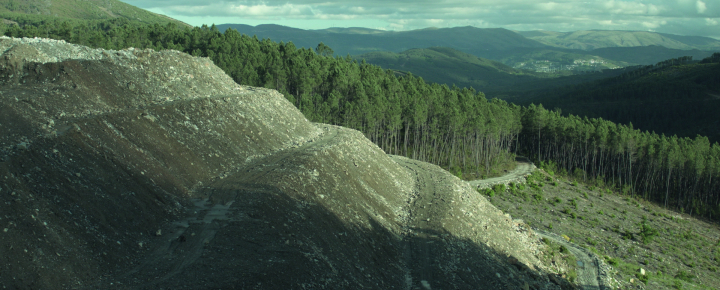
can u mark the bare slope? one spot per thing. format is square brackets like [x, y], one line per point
[139, 169]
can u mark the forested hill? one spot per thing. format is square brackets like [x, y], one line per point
[477, 41]
[459, 129]
[647, 55]
[675, 97]
[593, 39]
[449, 66]
[31, 11]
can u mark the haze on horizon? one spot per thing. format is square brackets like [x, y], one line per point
[683, 17]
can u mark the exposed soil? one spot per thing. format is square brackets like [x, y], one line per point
[154, 170]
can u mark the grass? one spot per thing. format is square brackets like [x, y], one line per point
[676, 250]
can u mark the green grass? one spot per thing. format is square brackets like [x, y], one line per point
[629, 232]
[33, 11]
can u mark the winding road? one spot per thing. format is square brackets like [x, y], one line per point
[588, 270]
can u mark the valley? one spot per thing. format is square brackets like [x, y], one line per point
[137, 152]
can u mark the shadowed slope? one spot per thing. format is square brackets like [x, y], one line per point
[141, 169]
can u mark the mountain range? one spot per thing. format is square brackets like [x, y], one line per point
[509, 47]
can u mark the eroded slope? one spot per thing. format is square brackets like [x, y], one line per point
[139, 169]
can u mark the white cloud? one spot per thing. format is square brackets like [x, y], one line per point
[701, 7]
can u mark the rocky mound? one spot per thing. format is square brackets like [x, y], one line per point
[140, 169]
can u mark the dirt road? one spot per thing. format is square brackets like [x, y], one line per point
[588, 264]
[524, 167]
[418, 242]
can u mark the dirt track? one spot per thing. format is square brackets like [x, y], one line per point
[524, 167]
[418, 243]
[588, 270]
[588, 264]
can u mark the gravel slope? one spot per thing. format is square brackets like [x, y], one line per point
[137, 169]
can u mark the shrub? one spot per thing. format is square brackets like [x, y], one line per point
[549, 227]
[682, 275]
[538, 197]
[612, 261]
[498, 188]
[628, 235]
[556, 201]
[489, 192]
[563, 249]
[647, 233]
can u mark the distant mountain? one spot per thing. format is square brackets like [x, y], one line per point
[449, 66]
[674, 97]
[593, 39]
[541, 51]
[22, 11]
[646, 55]
[482, 42]
[452, 67]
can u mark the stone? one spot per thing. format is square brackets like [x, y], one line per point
[641, 271]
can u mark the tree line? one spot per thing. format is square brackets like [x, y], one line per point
[457, 128]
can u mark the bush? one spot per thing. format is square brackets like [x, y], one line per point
[563, 249]
[538, 197]
[498, 188]
[682, 275]
[556, 201]
[628, 235]
[489, 192]
[612, 261]
[647, 233]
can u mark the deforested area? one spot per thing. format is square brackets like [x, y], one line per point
[137, 169]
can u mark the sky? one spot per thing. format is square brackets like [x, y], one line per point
[683, 17]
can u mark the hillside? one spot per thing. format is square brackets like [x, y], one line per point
[478, 41]
[676, 251]
[449, 66]
[679, 99]
[593, 39]
[38, 10]
[145, 170]
[647, 55]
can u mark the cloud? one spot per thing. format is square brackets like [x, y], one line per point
[673, 16]
[701, 7]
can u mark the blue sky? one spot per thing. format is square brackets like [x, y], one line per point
[684, 17]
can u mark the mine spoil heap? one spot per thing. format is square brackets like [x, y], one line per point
[138, 169]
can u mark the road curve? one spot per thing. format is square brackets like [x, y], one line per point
[588, 270]
[588, 267]
[524, 168]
